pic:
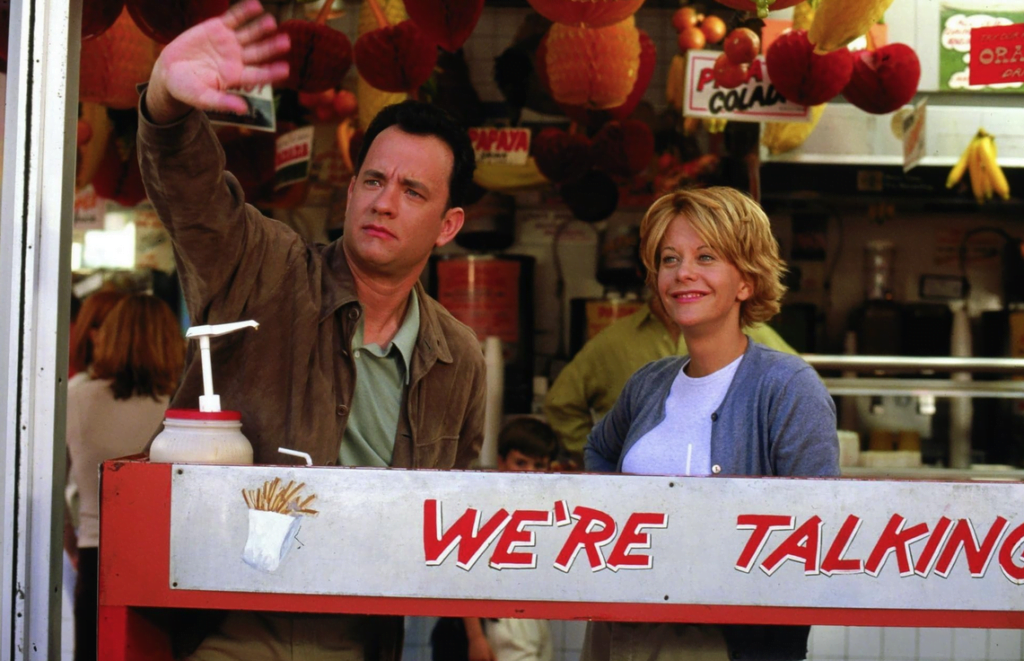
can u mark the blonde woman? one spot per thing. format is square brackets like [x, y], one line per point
[731, 407]
[138, 357]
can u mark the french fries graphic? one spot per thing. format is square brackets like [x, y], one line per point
[273, 497]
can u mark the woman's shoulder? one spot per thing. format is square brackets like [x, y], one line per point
[656, 373]
[777, 367]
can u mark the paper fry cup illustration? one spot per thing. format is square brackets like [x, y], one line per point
[275, 514]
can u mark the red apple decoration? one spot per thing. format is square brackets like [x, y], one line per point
[396, 58]
[561, 156]
[762, 11]
[728, 74]
[448, 23]
[803, 76]
[97, 17]
[162, 21]
[345, 104]
[623, 149]
[883, 80]
[319, 57]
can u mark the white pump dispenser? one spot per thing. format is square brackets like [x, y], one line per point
[209, 402]
[209, 435]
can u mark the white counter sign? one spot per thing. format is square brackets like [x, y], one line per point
[612, 539]
[757, 100]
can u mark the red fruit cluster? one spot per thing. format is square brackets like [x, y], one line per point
[803, 76]
[732, 68]
[883, 80]
[697, 30]
[330, 105]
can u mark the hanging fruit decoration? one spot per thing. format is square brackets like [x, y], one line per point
[624, 149]
[91, 152]
[588, 13]
[883, 80]
[395, 58]
[762, 7]
[593, 119]
[98, 16]
[371, 99]
[593, 67]
[448, 23]
[162, 21]
[838, 22]
[732, 67]
[320, 55]
[118, 177]
[803, 76]
[562, 157]
[112, 64]
[592, 197]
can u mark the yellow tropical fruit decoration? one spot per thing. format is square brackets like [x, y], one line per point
[838, 22]
[372, 100]
[781, 137]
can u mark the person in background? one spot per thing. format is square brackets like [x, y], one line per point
[113, 412]
[586, 389]
[94, 310]
[731, 406]
[524, 445]
[91, 314]
[353, 363]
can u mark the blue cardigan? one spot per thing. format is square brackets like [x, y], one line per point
[776, 419]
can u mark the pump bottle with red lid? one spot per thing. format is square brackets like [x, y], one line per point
[207, 435]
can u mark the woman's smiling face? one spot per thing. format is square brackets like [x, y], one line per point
[699, 288]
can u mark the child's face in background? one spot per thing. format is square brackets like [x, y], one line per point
[517, 462]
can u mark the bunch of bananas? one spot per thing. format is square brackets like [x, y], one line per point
[979, 159]
[714, 124]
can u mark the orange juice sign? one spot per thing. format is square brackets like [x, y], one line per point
[997, 54]
[756, 100]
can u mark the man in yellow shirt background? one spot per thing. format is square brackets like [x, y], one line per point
[586, 389]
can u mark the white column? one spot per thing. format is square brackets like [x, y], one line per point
[35, 234]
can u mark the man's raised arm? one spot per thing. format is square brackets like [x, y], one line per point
[239, 49]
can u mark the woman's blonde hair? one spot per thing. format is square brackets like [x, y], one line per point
[140, 348]
[734, 226]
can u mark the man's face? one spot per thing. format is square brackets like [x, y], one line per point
[517, 462]
[396, 212]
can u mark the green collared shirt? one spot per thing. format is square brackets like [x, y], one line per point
[382, 373]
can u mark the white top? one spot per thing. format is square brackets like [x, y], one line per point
[681, 443]
[100, 428]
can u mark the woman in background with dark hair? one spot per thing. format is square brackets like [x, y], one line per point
[138, 355]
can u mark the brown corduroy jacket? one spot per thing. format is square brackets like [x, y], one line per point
[293, 379]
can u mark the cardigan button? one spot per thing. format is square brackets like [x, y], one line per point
[714, 417]
[716, 469]
[342, 410]
[353, 314]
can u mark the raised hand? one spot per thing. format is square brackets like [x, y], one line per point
[239, 49]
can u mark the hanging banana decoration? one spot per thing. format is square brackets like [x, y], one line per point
[979, 159]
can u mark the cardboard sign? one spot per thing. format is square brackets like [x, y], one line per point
[956, 53]
[622, 540]
[913, 136]
[500, 145]
[90, 209]
[261, 115]
[292, 160]
[997, 54]
[757, 100]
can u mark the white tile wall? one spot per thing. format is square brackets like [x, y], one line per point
[935, 644]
